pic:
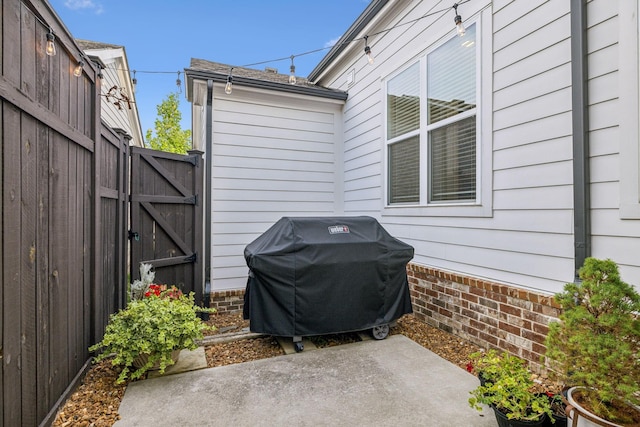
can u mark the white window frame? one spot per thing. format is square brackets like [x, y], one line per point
[483, 205]
[629, 98]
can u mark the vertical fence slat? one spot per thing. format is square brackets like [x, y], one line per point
[11, 272]
[28, 249]
[42, 279]
[58, 242]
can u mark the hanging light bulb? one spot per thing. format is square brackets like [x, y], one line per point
[229, 87]
[134, 81]
[78, 70]
[179, 83]
[367, 50]
[292, 75]
[50, 49]
[458, 21]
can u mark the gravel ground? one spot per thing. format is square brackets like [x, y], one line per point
[96, 401]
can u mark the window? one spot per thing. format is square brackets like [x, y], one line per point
[403, 126]
[442, 135]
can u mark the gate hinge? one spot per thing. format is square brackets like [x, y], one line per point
[192, 258]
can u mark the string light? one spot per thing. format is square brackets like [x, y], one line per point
[292, 75]
[134, 81]
[78, 70]
[458, 21]
[367, 50]
[229, 87]
[51, 43]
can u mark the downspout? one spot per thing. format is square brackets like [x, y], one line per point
[208, 156]
[580, 130]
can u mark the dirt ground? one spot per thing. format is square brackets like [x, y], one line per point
[95, 403]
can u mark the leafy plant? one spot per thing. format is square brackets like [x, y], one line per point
[507, 386]
[169, 135]
[155, 325]
[596, 342]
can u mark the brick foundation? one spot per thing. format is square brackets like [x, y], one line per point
[227, 301]
[486, 313]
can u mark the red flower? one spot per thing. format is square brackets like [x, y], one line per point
[469, 367]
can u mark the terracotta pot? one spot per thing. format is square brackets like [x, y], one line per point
[142, 359]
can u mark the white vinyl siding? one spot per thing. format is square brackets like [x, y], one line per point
[522, 231]
[271, 158]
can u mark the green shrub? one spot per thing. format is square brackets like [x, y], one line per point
[155, 326]
[507, 387]
[596, 342]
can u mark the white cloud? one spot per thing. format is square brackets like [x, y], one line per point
[331, 42]
[84, 4]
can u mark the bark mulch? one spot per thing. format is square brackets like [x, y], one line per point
[95, 403]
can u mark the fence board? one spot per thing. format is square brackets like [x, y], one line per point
[27, 303]
[11, 41]
[42, 278]
[28, 57]
[11, 273]
[59, 262]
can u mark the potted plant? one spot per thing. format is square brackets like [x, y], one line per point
[595, 346]
[151, 331]
[506, 385]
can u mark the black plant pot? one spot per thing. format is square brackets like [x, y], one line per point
[560, 421]
[503, 421]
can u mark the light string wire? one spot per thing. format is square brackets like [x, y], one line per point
[442, 11]
[430, 13]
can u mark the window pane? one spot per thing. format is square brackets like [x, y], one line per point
[404, 171]
[403, 102]
[451, 77]
[453, 161]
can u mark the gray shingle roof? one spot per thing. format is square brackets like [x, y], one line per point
[91, 45]
[259, 78]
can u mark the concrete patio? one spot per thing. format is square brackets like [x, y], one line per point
[392, 382]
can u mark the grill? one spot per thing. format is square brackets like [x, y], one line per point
[326, 275]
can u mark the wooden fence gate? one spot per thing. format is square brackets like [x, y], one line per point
[166, 218]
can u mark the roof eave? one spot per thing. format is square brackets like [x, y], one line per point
[263, 84]
[363, 20]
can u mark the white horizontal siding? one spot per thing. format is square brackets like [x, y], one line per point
[528, 240]
[271, 159]
[612, 237]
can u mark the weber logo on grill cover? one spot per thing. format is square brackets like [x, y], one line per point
[338, 229]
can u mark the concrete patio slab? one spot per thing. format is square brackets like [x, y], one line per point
[392, 382]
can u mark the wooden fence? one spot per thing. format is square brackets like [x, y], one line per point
[63, 179]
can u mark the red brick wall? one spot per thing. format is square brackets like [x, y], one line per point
[227, 301]
[488, 314]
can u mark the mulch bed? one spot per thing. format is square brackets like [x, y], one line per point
[95, 403]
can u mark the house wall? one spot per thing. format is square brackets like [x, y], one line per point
[488, 277]
[613, 131]
[116, 74]
[527, 238]
[273, 156]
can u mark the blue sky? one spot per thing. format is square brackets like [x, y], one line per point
[164, 35]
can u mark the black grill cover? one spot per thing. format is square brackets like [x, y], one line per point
[325, 275]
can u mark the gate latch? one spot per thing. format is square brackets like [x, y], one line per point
[134, 235]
